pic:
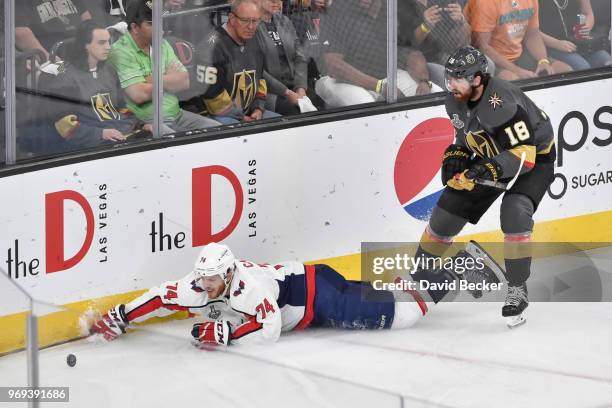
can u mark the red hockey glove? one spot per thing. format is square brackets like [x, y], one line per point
[217, 332]
[112, 324]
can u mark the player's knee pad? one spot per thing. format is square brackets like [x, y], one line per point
[516, 214]
[444, 225]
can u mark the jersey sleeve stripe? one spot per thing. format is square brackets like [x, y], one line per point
[150, 306]
[530, 154]
[310, 294]
[219, 104]
[548, 148]
[246, 328]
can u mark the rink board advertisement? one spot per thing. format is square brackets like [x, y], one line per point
[121, 224]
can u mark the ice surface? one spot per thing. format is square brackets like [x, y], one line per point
[461, 355]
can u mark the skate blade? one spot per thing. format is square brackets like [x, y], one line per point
[515, 321]
[474, 249]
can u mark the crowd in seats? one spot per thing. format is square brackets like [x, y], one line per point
[80, 105]
[570, 34]
[248, 60]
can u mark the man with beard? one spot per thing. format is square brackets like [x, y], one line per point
[500, 136]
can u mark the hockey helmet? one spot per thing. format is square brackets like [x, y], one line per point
[466, 62]
[215, 259]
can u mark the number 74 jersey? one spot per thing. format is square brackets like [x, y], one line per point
[503, 125]
[261, 301]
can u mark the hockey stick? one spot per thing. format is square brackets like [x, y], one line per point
[503, 186]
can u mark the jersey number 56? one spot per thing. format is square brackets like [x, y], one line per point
[206, 75]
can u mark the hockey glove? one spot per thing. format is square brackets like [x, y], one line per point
[460, 182]
[455, 160]
[217, 332]
[112, 324]
[487, 169]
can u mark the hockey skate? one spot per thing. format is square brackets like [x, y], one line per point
[516, 303]
[491, 273]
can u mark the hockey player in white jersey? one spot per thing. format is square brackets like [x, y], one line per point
[247, 302]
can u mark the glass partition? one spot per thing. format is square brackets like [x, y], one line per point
[84, 78]
[3, 94]
[351, 59]
[428, 33]
[75, 84]
[550, 37]
[189, 74]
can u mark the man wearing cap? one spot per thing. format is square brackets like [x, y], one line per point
[131, 58]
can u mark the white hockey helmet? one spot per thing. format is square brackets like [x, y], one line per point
[215, 259]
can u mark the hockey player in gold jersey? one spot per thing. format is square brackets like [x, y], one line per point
[504, 144]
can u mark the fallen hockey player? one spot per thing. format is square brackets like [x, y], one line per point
[249, 302]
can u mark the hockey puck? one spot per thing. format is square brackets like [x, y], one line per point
[71, 360]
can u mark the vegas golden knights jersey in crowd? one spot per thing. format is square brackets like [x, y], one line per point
[74, 107]
[230, 75]
[504, 124]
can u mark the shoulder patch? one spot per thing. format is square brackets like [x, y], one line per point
[495, 101]
[456, 122]
[498, 106]
[238, 291]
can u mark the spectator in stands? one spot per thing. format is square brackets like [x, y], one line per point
[230, 67]
[508, 32]
[579, 48]
[306, 18]
[286, 70]
[355, 54]
[39, 24]
[82, 104]
[112, 12]
[435, 27]
[131, 58]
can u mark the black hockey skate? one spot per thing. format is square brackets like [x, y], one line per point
[491, 273]
[516, 303]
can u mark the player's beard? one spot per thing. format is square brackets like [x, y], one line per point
[463, 96]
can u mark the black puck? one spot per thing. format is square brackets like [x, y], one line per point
[71, 360]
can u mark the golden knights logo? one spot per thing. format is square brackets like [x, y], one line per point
[102, 104]
[245, 88]
[481, 144]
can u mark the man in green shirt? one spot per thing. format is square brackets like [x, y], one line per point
[131, 58]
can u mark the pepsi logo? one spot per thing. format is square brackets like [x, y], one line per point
[418, 161]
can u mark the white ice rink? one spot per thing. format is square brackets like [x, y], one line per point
[462, 355]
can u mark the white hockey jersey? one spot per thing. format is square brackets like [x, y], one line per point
[261, 301]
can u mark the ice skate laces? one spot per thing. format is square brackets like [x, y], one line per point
[516, 295]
